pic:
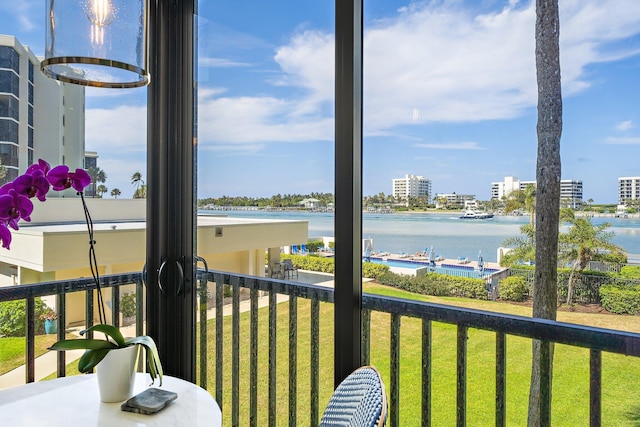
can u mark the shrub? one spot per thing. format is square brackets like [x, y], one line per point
[437, 285]
[326, 265]
[620, 299]
[314, 246]
[128, 305]
[373, 270]
[630, 272]
[513, 288]
[13, 317]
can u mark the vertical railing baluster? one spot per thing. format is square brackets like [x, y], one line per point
[426, 373]
[394, 413]
[30, 329]
[140, 318]
[115, 304]
[253, 363]
[315, 359]
[61, 301]
[219, 337]
[595, 388]
[235, 352]
[140, 301]
[203, 292]
[273, 317]
[501, 379]
[89, 311]
[546, 350]
[293, 359]
[461, 398]
[365, 356]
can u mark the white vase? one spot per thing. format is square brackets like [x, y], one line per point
[116, 374]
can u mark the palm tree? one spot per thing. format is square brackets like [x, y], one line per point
[136, 179]
[140, 193]
[585, 242]
[522, 199]
[522, 247]
[3, 172]
[97, 175]
[101, 190]
[115, 193]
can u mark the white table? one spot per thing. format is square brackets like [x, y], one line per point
[75, 401]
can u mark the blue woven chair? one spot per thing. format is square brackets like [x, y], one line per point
[359, 401]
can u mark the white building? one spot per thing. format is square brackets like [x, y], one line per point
[570, 190]
[453, 199]
[39, 117]
[628, 189]
[411, 186]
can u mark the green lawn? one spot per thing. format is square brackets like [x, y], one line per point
[621, 385]
[13, 350]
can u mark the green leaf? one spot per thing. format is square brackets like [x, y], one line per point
[90, 359]
[153, 358]
[82, 344]
[109, 330]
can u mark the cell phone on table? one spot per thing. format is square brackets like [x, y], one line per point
[149, 401]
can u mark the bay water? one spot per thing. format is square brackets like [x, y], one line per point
[450, 236]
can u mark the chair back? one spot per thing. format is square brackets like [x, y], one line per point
[359, 401]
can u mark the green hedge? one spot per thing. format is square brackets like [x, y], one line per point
[13, 317]
[513, 288]
[437, 285]
[630, 272]
[620, 299]
[326, 265]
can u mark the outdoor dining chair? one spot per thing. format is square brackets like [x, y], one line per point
[359, 401]
[289, 268]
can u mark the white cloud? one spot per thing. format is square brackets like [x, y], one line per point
[623, 126]
[120, 130]
[233, 122]
[445, 62]
[220, 62]
[622, 141]
[467, 145]
[21, 10]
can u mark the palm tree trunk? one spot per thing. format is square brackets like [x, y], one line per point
[570, 286]
[549, 129]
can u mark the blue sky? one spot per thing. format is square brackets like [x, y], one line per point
[450, 94]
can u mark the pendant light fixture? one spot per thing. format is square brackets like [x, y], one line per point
[100, 43]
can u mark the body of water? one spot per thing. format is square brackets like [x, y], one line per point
[450, 236]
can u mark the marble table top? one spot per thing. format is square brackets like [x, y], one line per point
[75, 401]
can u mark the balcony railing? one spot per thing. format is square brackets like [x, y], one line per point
[225, 341]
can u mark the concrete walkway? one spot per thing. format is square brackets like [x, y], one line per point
[47, 364]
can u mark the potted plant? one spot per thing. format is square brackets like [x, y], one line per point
[114, 357]
[49, 317]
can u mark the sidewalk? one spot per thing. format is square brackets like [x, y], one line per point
[47, 364]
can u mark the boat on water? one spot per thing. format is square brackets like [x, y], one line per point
[473, 214]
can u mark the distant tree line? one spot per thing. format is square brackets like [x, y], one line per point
[276, 201]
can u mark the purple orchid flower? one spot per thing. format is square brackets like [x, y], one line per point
[6, 187]
[5, 235]
[42, 166]
[61, 179]
[32, 184]
[13, 207]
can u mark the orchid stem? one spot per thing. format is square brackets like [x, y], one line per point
[92, 260]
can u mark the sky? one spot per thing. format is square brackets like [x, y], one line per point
[449, 94]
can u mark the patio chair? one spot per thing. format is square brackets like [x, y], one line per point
[359, 401]
[277, 272]
[289, 268]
